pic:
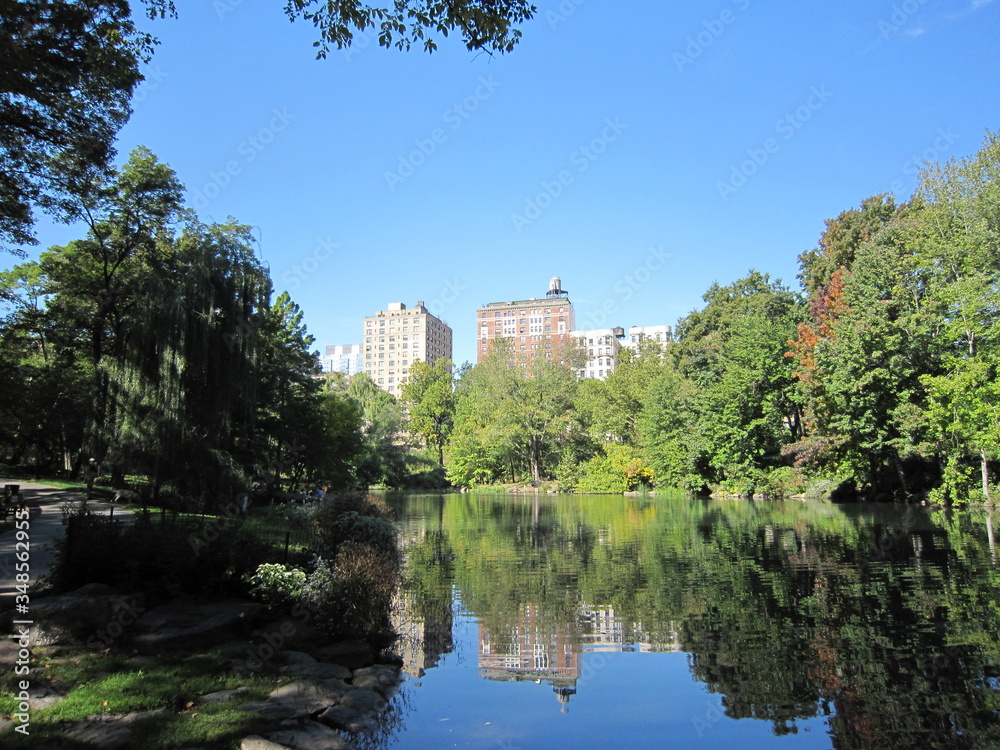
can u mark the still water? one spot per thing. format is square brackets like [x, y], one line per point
[585, 622]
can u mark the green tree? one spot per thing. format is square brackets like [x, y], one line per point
[957, 243]
[746, 402]
[509, 423]
[429, 399]
[384, 453]
[486, 25]
[69, 71]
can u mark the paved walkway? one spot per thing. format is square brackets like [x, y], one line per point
[45, 527]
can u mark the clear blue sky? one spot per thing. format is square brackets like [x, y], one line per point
[639, 150]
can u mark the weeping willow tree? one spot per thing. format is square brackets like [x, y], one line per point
[199, 382]
[183, 394]
[173, 318]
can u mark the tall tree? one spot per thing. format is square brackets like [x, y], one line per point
[958, 245]
[429, 399]
[510, 424]
[733, 353]
[69, 70]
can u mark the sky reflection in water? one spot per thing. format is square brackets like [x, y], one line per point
[575, 621]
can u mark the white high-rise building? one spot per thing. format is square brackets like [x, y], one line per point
[637, 334]
[602, 346]
[396, 337]
[346, 358]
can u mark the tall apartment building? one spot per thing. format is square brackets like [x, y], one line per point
[395, 338]
[346, 358]
[602, 346]
[535, 328]
[637, 334]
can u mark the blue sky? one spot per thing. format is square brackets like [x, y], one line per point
[640, 150]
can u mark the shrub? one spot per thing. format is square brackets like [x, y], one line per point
[374, 532]
[363, 504]
[275, 585]
[351, 596]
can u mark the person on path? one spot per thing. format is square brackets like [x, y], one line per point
[90, 476]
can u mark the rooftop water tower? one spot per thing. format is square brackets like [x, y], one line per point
[555, 288]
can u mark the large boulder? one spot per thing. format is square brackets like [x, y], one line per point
[382, 678]
[194, 624]
[92, 615]
[300, 699]
[310, 736]
[350, 654]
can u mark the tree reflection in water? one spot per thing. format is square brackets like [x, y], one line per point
[883, 620]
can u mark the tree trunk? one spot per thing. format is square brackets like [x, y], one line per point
[536, 471]
[986, 476]
[900, 473]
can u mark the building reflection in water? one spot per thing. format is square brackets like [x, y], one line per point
[422, 638]
[537, 650]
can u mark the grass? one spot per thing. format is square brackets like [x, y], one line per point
[107, 683]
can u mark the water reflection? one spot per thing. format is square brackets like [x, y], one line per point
[883, 623]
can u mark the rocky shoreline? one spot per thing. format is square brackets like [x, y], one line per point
[334, 692]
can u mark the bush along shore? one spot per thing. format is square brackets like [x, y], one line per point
[273, 645]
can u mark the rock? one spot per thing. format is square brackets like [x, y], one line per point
[295, 657]
[43, 697]
[305, 697]
[317, 671]
[91, 615]
[351, 654]
[253, 742]
[350, 719]
[394, 659]
[193, 624]
[311, 736]
[8, 653]
[382, 678]
[288, 633]
[221, 696]
[364, 699]
[271, 711]
[107, 731]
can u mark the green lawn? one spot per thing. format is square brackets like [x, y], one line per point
[99, 684]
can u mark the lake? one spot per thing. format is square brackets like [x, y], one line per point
[592, 621]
